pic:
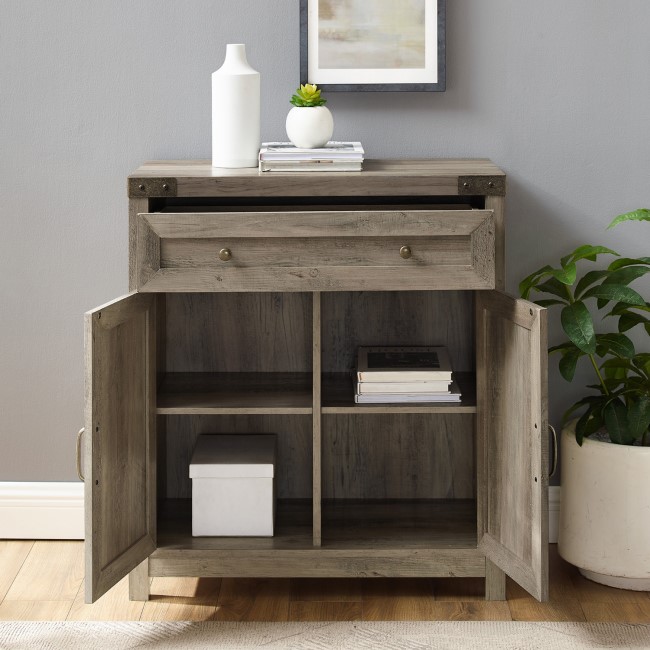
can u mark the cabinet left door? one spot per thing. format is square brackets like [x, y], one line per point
[120, 455]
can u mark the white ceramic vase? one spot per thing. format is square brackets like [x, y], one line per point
[309, 127]
[235, 111]
[605, 511]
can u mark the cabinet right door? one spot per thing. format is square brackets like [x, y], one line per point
[512, 442]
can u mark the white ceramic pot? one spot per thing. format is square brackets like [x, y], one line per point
[309, 127]
[605, 511]
[235, 111]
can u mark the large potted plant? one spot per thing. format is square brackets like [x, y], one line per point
[605, 509]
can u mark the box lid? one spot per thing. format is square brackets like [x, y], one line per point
[233, 456]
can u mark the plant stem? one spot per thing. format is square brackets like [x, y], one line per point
[600, 377]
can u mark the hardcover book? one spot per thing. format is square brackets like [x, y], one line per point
[400, 364]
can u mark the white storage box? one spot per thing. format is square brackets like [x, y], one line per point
[233, 490]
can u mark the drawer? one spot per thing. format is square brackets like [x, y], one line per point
[315, 251]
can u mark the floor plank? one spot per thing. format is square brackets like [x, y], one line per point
[325, 611]
[114, 605]
[34, 610]
[51, 571]
[395, 599]
[459, 589]
[326, 590]
[182, 599]
[617, 612]
[249, 599]
[12, 556]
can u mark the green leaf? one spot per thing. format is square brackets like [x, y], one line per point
[530, 281]
[643, 214]
[587, 252]
[588, 423]
[568, 363]
[567, 345]
[615, 415]
[579, 327]
[591, 400]
[638, 417]
[556, 288]
[617, 344]
[615, 292]
[628, 261]
[566, 275]
[587, 280]
[629, 320]
[550, 303]
[626, 275]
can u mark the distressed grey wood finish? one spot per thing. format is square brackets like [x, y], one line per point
[139, 582]
[512, 438]
[120, 484]
[316, 419]
[304, 251]
[497, 204]
[136, 206]
[197, 178]
[245, 332]
[397, 318]
[293, 476]
[245, 393]
[398, 456]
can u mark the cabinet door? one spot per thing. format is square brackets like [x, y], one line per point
[512, 438]
[120, 483]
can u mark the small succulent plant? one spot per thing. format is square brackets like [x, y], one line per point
[307, 95]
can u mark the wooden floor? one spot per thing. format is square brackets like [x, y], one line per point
[44, 581]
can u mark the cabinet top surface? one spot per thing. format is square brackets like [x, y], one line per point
[379, 177]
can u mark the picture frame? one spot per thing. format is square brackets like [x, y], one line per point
[395, 45]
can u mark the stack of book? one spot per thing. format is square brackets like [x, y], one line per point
[333, 157]
[404, 375]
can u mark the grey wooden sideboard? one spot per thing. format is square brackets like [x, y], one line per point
[250, 295]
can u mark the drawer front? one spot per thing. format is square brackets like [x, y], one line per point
[315, 251]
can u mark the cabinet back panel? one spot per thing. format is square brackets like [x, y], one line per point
[351, 319]
[294, 450]
[378, 456]
[239, 332]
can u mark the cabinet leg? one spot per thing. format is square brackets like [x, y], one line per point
[139, 582]
[495, 582]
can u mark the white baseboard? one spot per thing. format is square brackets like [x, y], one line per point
[56, 511]
[41, 510]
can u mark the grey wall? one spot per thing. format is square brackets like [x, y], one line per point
[556, 92]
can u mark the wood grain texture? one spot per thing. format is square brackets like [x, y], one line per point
[497, 205]
[136, 206]
[182, 599]
[114, 605]
[12, 557]
[393, 456]
[511, 394]
[317, 454]
[53, 571]
[293, 475]
[34, 610]
[120, 440]
[139, 582]
[379, 178]
[325, 611]
[242, 332]
[253, 600]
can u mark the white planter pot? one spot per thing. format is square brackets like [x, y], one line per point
[235, 111]
[605, 511]
[309, 127]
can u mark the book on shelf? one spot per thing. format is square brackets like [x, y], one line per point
[332, 151]
[403, 364]
[453, 395]
[309, 166]
[416, 387]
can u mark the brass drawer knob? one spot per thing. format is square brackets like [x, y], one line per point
[225, 254]
[405, 252]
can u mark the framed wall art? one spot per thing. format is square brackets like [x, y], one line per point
[374, 45]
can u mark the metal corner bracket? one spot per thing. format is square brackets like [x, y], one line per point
[140, 188]
[482, 185]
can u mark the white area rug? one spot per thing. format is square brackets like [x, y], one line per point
[321, 636]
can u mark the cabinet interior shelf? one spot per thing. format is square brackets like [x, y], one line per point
[284, 393]
[338, 398]
[237, 393]
[347, 524]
